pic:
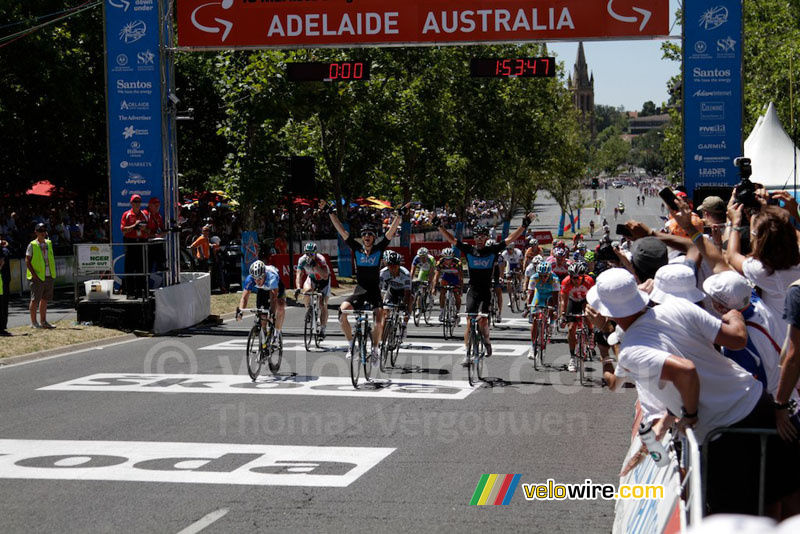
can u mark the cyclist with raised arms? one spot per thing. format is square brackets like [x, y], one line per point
[543, 286]
[317, 277]
[396, 281]
[573, 300]
[512, 257]
[368, 264]
[448, 273]
[421, 267]
[270, 293]
[480, 262]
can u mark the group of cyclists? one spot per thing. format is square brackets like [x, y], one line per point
[558, 282]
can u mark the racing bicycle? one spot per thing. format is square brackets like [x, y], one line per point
[264, 344]
[494, 309]
[360, 346]
[515, 298]
[423, 303]
[476, 350]
[585, 348]
[392, 337]
[450, 312]
[541, 316]
[312, 330]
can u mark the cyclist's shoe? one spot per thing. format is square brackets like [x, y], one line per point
[531, 355]
[499, 319]
[375, 357]
[525, 312]
[322, 332]
[441, 317]
[571, 365]
[349, 355]
[464, 362]
[403, 329]
[488, 345]
[509, 304]
[458, 320]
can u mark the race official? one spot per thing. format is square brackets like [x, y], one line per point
[134, 230]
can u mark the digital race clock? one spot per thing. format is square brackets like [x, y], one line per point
[334, 71]
[531, 67]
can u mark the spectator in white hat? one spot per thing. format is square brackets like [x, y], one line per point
[668, 351]
[675, 280]
[730, 291]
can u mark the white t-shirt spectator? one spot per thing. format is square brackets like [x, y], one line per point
[677, 327]
[773, 286]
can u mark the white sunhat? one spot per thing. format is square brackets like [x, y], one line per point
[730, 289]
[675, 280]
[616, 294]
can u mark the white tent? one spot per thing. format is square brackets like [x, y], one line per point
[771, 151]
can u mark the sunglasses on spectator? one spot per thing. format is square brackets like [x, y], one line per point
[136, 201]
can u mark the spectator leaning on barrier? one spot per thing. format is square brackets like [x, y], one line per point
[668, 351]
[41, 263]
[5, 286]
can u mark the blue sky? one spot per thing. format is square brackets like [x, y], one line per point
[626, 73]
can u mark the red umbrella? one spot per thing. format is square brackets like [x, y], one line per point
[44, 188]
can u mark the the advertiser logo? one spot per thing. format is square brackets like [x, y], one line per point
[714, 17]
[712, 130]
[130, 131]
[125, 118]
[712, 111]
[495, 489]
[133, 31]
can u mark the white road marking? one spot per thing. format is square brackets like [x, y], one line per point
[187, 463]
[203, 522]
[321, 386]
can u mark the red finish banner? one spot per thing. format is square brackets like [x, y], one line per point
[341, 23]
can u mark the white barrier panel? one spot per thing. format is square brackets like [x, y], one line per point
[183, 305]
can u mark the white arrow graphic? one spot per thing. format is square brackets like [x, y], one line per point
[644, 12]
[226, 4]
[124, 5]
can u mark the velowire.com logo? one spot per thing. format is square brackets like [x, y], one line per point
[495, 489]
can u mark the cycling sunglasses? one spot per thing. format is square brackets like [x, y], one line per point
[368, 234]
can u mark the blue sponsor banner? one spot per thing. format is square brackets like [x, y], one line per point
[249, 252]
[712, 92]
[133, 80]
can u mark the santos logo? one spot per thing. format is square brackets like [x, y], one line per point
[122, 84]
[711, 73]
[192, 463]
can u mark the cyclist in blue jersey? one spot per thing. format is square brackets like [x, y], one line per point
[368, 267]
[480, 264]
[270, 293]
[543, 287]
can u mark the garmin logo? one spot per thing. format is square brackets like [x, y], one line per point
[722, 145]
[711, 73]
[122, 84]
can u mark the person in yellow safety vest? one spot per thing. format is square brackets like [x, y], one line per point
[41, 263]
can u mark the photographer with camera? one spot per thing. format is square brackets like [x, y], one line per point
[774, 261]
[134, 230]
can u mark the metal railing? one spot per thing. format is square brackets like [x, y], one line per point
[692, 483]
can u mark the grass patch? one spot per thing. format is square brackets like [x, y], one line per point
[222, 304]
[26, 339]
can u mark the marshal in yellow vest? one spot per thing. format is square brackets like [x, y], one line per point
[37, 260]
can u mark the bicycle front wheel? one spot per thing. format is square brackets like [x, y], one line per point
[427, 307]
[367, 354]
[355, 359]
[452, 316]
[472, 352]
[253, 355]
[387, 343]
[274, 349]
[581, 356]
[308, 328]
[419, 304]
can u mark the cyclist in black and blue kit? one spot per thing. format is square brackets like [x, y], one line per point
[368, 267]
[480, 263]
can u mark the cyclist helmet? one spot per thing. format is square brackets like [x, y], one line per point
[393, 258]
[310, 248]
[510, 246]
[560, 244]
[544, 267]
[448, 253]
[422, 252]
[581, 245]
[258, 269]
[480, 230]
[533, 242]
[368, 229]
[589, 256]
[577, 269]
[537, 259]
[559, 252]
